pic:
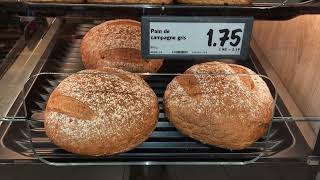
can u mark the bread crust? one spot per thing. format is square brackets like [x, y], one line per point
[101, 112]
[58, 1]
[117, 44]
[228, 111]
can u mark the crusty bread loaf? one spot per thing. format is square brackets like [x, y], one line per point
[216, 2]
[131, 1]
[101, 113]
[228, 111]
[116, 43]
[58, 1]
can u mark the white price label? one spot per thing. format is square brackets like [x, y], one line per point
[226, 38]
[196, 38]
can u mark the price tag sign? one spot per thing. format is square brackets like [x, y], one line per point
[195, 37]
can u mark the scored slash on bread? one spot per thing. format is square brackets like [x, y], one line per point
[214, 105]
[69, 106]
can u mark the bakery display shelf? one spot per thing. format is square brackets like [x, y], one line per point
[260, 9]
[165, 146]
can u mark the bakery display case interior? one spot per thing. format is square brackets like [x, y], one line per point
[166, 145]
[126, 110]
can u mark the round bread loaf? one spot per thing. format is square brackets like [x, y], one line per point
[58, 1]
[228, 111]
[116, 43]
[101, 112]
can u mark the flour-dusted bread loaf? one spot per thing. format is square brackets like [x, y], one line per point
[216, 2]
[116, 43]
[104, 112]
[58, 1]
[228, 111]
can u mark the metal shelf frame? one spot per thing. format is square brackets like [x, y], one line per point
[267, 11]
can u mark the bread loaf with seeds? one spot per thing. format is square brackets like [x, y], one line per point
[223, 109]
[58, 1]
[117, 44]
[101, 112]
